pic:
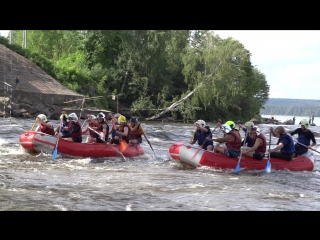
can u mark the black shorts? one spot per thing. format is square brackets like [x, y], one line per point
[114, 141]
[258, 156]
[231, 153]
[284, 156]
[300, 150]
[77, 139]
[99, 140]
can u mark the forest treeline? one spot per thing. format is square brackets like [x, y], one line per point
[294, 107]
[184, 74]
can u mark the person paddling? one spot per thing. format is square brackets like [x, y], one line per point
[203, 131]
[304, 137]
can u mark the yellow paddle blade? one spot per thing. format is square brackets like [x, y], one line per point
[34, 124]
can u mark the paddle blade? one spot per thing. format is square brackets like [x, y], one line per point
[237, 167]
[55, 153]
[34, 124]
[123, 145]
[268, 167]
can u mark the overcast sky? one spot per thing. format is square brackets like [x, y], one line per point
[290, 60]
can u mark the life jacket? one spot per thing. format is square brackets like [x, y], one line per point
[75, 134]
[289, 148]
[262, 148]
[92, 134]
[135, 134]
[236, 145]
[100, 129]
[121, 129]
[238, 134]
[47, 130]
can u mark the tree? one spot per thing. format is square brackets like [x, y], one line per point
[215, 72]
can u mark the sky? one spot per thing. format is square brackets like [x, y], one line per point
[290, 59]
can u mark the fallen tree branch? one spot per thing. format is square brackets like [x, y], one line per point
[174, 105]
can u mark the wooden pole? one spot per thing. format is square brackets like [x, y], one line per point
[117, 104]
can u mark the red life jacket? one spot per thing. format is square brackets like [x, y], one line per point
[236, 145]
[100, 129]
[92, 133]
[262, 148]
[47, 130]
[121, 129]
[75, 134]
[135, 134]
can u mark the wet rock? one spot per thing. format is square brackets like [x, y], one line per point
[288, 122]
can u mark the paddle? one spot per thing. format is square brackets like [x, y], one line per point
[192, 137]
[267, 168]
[55, 152]
[145, 136]
[200, 147]
[306, 146]
[34, 124]
[84, 123]
[244, 144]
[121, 146]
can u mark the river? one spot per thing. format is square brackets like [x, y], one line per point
[152, 182]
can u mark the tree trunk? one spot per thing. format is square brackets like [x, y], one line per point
[174, 105]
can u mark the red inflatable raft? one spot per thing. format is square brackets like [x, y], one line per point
[38, 141]
[190, 154]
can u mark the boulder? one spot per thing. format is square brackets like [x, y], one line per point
[18, 113]
[288, 122]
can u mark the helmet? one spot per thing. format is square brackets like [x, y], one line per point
[256, 130]
[117, 115]
[42, 117]
[304, 122]
[122, 119]
[101, 115]
[64, 117]
[73, 117]
[226, 128]
[249, 124]
[93, 117]
[231, 124]
[201, 123]
[133, 119]
[61, 116]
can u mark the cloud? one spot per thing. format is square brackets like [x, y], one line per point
[4, 33]
[289, 59]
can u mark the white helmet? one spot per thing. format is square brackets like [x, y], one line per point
[249, 124]
[226, 128]
[256, 130]
[42, 117]
[200, 122]
[101, 115]
[304, 122]
[93, 117]
[73, 117]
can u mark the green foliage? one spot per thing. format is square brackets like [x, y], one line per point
[143, 103]
[152, 69]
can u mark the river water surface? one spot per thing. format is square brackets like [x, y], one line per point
[152, 182]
